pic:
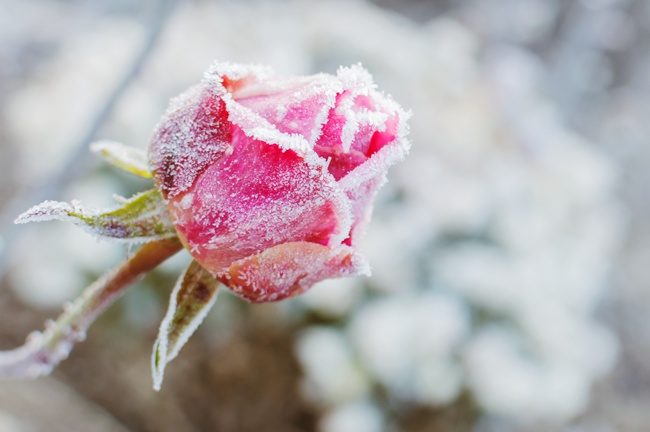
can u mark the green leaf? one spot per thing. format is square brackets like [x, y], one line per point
[142, 218]
[193, 296]
[130, 159]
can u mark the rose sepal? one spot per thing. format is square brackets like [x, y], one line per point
[192, 298]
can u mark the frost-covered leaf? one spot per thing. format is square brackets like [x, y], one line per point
[130, 159]
[193, 296]
[142, 218]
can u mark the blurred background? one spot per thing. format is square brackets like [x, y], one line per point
[510, 287]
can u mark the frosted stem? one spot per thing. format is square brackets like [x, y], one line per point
[43, 351]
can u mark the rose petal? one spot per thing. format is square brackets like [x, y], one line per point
[194, 133]
[296, 105]
[390, 147]
[362, 122]
[361, 199]
[235, 78]
[289, 269]
[256, 197]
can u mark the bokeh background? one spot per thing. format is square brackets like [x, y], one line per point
[510, 251]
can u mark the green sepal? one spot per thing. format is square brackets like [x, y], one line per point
[192, 297]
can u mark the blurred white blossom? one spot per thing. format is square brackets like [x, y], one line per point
[353, 417]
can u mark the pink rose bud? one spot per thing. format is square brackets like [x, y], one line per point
[270, 180]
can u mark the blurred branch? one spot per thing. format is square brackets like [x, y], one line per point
[53, 187]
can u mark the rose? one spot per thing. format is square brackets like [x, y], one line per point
[270, 180]
[267, 181]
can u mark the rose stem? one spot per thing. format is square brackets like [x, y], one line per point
[43, 351]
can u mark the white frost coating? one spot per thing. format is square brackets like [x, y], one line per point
[355, 76]
[275, 271]
[183, 143]
[264, 83]
[234, 71]
[308, 189]
[47, 211]
[142, 218]
[261, 129]
[163, 353]
[130, 159]
[384, 158]
[356, 81]
[331, 92]
[31, 360]
[351, 126]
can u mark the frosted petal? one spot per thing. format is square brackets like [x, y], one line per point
[193, 134]
[295, 105]
[234, 211]
[361, 198]
[234, 78]
[130, 159]
[362, 123]
[142, 218]
[286, 111]
[259, 128]
[346, 118]
[391, 146]
[192, 298]
[289, 269]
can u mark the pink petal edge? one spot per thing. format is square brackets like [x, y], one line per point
[290, 269]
